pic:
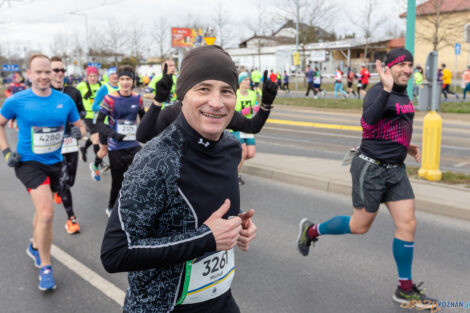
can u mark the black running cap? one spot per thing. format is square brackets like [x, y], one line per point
[397, 56]
[204, 63]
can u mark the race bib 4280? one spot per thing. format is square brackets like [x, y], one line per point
[46, 139]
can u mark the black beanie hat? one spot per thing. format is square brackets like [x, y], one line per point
[204, 63]
[398, 55]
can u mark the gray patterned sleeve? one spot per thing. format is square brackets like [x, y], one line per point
[150, 225]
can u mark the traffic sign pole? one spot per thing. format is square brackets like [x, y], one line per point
[410, 37]
[458, 49]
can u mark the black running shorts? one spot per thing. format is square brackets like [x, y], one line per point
[103, 139]
[373, 184]
[90, 126]
[33, 174]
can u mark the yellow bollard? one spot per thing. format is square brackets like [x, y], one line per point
[432, 129]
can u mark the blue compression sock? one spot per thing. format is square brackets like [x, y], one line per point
[403, 254]
[338, 225]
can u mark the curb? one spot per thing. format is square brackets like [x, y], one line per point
[340, 187]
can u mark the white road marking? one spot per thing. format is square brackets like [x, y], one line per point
[461, 164]
[106, 287]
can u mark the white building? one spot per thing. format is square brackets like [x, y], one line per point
[325, 55]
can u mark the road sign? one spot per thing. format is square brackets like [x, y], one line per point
[296, 58]
[318, 56]
[95, 64]
[10, 68]
[458, 48]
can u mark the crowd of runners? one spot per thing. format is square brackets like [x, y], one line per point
[174, 203]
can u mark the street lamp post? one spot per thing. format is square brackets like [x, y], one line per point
[86, 33]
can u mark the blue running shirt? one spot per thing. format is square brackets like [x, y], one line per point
[41, 124]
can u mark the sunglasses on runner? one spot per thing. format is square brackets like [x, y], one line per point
[57, 70]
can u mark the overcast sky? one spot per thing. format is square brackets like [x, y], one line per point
[33, 23]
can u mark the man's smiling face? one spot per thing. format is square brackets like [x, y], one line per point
[208, 107]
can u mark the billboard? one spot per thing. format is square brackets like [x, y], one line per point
[189, 37]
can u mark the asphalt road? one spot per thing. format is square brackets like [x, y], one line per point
[342, 274]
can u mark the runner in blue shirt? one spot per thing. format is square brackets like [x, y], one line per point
[42, 115]
[122, 108]
[108, 87]
[309, 73]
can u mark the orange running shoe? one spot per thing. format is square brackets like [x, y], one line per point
[57, 198]
[72, 226]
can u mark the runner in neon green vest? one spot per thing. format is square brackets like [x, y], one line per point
[171, 70]
[256, 80]
[247, 105]
[88, 89]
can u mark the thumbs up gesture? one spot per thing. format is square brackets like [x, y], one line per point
[225, 232]
[248, 232]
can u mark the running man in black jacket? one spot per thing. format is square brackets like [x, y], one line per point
[379, 174]
[178, 216]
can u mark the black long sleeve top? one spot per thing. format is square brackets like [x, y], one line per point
[387, 123]
[173, 185]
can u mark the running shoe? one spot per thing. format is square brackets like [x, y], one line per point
[416, 297]
[109, 211]
[72, 226]
[34, 254]
[303, 240]
[95, 172]
[104, 167]
[57, 198]
[46, 280]
[83, 153]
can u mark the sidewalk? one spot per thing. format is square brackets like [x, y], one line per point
[329, 175]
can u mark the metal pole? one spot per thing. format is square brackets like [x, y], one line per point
[435, 90]
[297, 42]
[410, 37]
[455, 85]
[297, 29]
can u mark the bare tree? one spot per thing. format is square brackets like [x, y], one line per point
[61, 45]
[97, 44]
[437, 28]
[368, 20]
[221, 20]
[136, 39]
[258, 26]
[310, 15]
[77, 49]
[115, 37]
[160, 35]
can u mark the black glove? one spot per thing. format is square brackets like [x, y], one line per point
[76, 132]
[82, 114]
[119, 137]
[163, 86]
[269, 90]
[12, 158]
